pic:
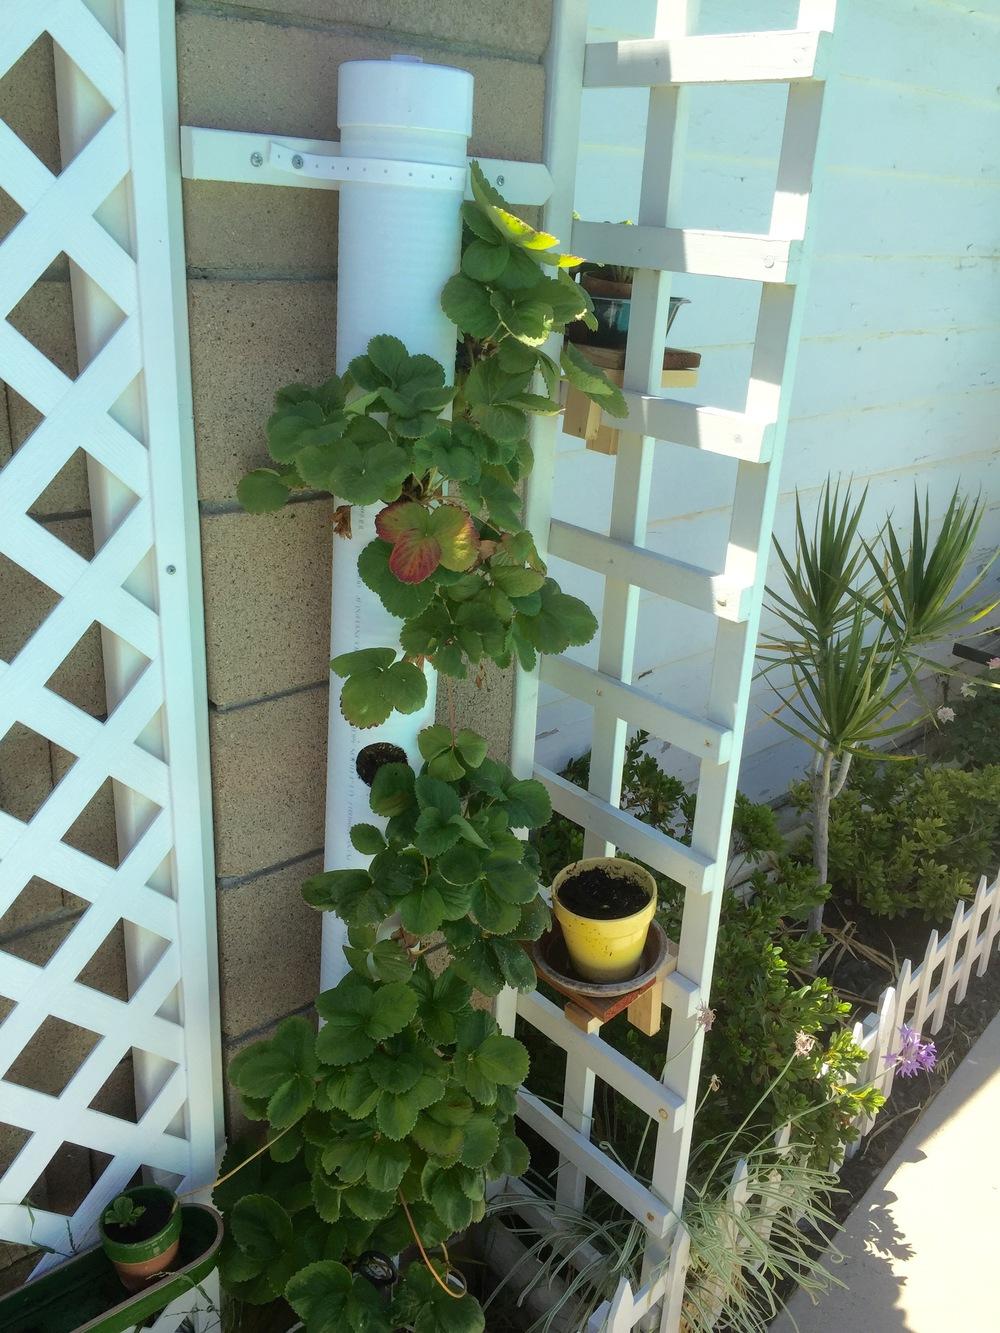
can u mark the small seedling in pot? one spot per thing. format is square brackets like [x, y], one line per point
[123, 1212]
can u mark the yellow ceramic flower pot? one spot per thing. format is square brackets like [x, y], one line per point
[605, 949]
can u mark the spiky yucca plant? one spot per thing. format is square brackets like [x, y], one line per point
[857, 616]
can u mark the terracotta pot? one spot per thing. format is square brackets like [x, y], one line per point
[138, 1262]
[605, 949]
[618, 291]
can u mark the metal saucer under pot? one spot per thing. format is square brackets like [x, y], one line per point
[552, 964]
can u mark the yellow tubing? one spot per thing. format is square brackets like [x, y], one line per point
[605, 950]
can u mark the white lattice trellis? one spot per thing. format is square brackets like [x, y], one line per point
[668, 65]
[129, 410]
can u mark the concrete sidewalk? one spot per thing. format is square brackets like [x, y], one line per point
[922, 1248]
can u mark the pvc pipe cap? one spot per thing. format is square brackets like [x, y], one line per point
[405, 93]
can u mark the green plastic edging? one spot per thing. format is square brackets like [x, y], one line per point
[84, 1295]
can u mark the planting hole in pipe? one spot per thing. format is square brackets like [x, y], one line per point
[371, 758]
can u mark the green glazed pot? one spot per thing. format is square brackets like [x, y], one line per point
[137, 1262]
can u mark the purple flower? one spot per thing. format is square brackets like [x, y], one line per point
[914, 1055]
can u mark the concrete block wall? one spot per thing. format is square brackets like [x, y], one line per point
[43, 916]
[262, 269]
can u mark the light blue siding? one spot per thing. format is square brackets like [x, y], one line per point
[899, 371]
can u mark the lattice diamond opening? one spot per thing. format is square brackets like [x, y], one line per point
[27, 101]
[64, 1185]
[37, 921]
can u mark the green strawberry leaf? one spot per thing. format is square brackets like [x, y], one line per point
[264, 489]
[399, 599]
[467, 304]
[329, 1299]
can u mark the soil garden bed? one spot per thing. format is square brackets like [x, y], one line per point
[963, 1024]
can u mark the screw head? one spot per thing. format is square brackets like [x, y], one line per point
[297, 161]
[500, 180]
[257, 159]
[171, 569]
[769, 261]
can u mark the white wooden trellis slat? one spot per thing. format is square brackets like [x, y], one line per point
[622, 1186]
[955, 934]
[756, 57]
[922, 1006]
[697, 735]
[116, 95]
[644, 569]
[622, 1074]
[605, 821]
[971, 952]
[882, 1034]
[713, 429]
[903, 992]
[714, 254]
[658, 245]
[989, 934]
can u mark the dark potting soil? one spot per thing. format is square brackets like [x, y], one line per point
[372, 757]
[603, 897]
[154, 1219]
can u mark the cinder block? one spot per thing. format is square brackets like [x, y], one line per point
[237, 1125]
[16, 1263]
[36, 902]
[241, 230]
[28, 102]
[269, 781]
[269, 945]
[51, 929]
[105, 969]
[80, 676]
[248, 75]
[117, 1096]
[247, 340]
[52, 1056]
[93, 832]
[45, 317]
[477, 23]
[483, 704]
[267, 600]
[25, 772]
[26, 601]
[6, 445]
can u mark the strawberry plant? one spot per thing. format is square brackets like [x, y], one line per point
[451, 558]
[384, 1128]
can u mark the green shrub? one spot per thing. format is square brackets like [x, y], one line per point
[760, 999]
[913, 837]
[763, 1001]
[972, 740]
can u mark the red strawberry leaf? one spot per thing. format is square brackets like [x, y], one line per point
[414, 557]
[402, 518]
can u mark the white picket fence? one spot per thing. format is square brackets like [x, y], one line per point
[920, 997]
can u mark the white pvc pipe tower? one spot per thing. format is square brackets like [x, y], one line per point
[399, 242]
